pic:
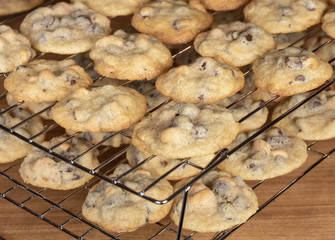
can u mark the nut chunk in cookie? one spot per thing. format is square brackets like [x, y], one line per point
[172, 21]
[216, 202]
[204, 81]
[285, 16]
[273, 153]
[46, 80]
[236, 43]
[64, 28]
[15, 49]
[315, 120]
[11, 147]
[130, 56]
[117, 210]
[44, 170]
[113, 8]
[107, 108]
[185, 130]
[290, 71]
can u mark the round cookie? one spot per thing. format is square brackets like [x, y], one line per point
[290, 71]
[204, 81]
[107, 108]
[172, 21]
[185, 130]
[285, 16]
[118, 210]
[15, 49]
[242, 108]
[11, 147]
[235, 43]
[271, 154]
[64, 28]
[158, 165]
[223, 5]
[43, 170]
[16, 6]
[113, 8]
[215, 202]
[46, 80]
[328, 23]
[315, 120]
[130, 56]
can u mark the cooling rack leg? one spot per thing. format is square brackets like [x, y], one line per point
[180, 225]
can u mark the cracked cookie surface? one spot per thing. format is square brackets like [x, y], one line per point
[235, 43]
[205, 81]
[185, 130]
[118, 210]
[107, 108]
[271, 154]
[46, 80]
[64, 28]
[130, 56]
[216, 202]
[290, 71]
[44, 170]
[171, 21]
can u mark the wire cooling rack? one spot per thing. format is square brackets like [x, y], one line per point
[109, 157]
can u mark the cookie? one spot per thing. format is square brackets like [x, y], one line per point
[44, 170]
[115, 141]
[328, 23]
[242, 108]
[32, 107]
[130, 56]
[15, 49]
[46, 80]
[285, 16]
[185, 130]
[215, 202]
[223, 5]
[315, 120]
[204, 81]
[107, 108]
[16, 6]
[64, 28]
[158, 165]
[172, 21]
[327, 51]
[236, 43]
[113, 8]
[290, 71]
[271, 154]
[118, 210]
[11, 147]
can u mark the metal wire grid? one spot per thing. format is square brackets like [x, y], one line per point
[223, 154]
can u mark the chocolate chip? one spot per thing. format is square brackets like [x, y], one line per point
[164, 163]
[49, 21]
[88, 136]
[69, 169]
[293, 62]
[88, 204]
[249, 37]
[177, 114]
[73, 82]
[44, 89]
[252, 166]
[316, 104]
[300, 78]
[203, 65]
[176, 25]
[201, 97]
[216, 73]
[75, 177]
[87, 18]
[233, 73]
[74, 115]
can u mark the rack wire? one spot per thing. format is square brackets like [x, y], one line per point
[116, 156]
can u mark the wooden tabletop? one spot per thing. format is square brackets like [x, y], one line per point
[304, 211]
